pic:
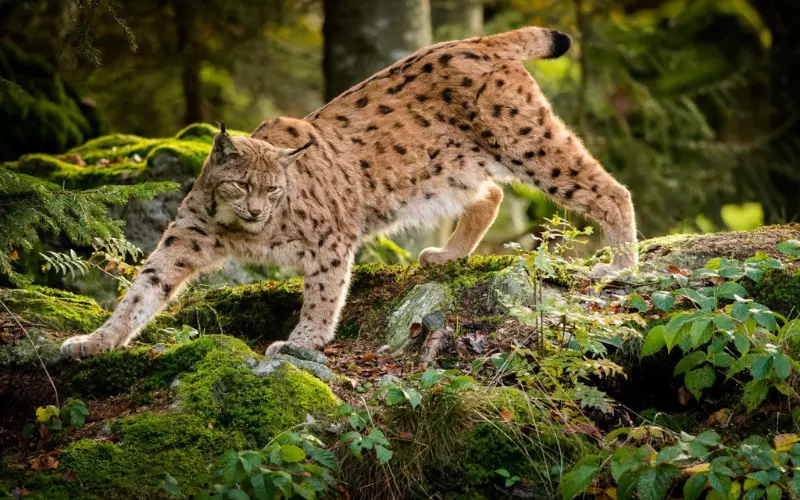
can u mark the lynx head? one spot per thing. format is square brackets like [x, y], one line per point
[247, 180]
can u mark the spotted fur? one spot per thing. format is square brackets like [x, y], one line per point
[424, 139]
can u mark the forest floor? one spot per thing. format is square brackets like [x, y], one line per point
[492, 377]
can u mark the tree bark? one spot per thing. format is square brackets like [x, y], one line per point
[783, 19]
[188, 50]
[363, 37]
[465, 15]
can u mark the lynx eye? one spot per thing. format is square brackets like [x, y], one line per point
[243, 186]
[273, 189]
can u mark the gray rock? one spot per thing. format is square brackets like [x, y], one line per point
[159, 348]
[389, 381]
[512, 287]
[304, 353]
[420, 301]
[320, 371]
[434, 321]
[22, 352]
[266, 367]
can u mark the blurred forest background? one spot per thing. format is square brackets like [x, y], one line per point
[691, 103]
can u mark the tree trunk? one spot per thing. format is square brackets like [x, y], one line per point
[188, 50]
[363, 37]
[783, 17]
[466, 16]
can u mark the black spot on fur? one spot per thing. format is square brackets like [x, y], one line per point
[182, 264]
[437, 169]
[148, 270]
[464, 127]
[195, 246]
[480, 91]
[555, 172]
[336, 263]
[400, 149]
[433, 154]
[466, 82]
[198, 230]
[154, 280]
[362, 102]
[497, 110]
[552, 190]
[548, 135]
[137, 299]
[471, 55]
[167, 288]
[529, 154]
[486, 134]
[364, 163]
[345, 121]
[525, 131]
[444, 59]
[371, 128]
[424, 122]
[292, 131]
[422, 98]
[516, 162]
[541, 152]
[170, 240]
[447, 95]
[472, 115]
[499, 83]
[573, 172]
[514, 112]
[384, 109]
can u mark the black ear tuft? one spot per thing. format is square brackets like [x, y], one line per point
[305, 146]
[221, 126]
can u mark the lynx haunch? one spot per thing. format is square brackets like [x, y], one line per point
[424, 139]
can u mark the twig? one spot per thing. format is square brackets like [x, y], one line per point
[35, 349]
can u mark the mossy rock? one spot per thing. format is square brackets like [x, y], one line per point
[779, 290]
[219, 404]
[54, 309]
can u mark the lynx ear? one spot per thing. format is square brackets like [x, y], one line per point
[224, 149]
[289, 156]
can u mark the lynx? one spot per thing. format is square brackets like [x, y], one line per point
[424, 139]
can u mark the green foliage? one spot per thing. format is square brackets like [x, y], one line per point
[108, 256]
[726, 331]
[69, 417]
[711, 469]
[29, 206]
[291, 466]
[364, 434]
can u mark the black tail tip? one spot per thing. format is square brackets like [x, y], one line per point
[560, 44]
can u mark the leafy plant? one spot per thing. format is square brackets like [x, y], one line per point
[364, 435]
[293, 465]
[110, 257]
[725, 331]
[52, 419]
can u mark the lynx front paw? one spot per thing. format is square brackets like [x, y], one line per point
[83, 346]
[435, 257]
[288, 346]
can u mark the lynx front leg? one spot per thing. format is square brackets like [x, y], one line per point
[473, 224]
[181, 253]
[324, 294]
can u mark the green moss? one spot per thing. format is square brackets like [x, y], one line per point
[224, 390]
[779, 290]
[151, 445]
[192, 155]
[57, 309]
[203, 132]
[107, 142]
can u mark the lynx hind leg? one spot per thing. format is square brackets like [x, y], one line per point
[476, 219]
[520, 127]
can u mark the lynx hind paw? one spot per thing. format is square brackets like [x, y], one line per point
[84, 346]
[435, 257]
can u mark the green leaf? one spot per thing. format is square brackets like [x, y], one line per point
[708, 438]
[291, 453]
[627, 459]
[305, 490]
[755, 392]
[774, 492]
[705, 303]
[626, 485]
[764, 317]
[384, 454]
[783, 366]
[170, 485]
[262, 490]
[695, 486]
[729, 289]
[433, 377]
[699, 379]
[700, 332]
[761, 366]
[413, 397]
[237, 494]
[502, 472]
[697, 450]
[740, 311]
[790, 248]
[724, 323]
[668, 454]
[394, 395]
[654, 341]
[655, 482]
[636, 301]
[580, 477]
[688, 362]
[663, 300]
[722, 360]
[714, 263]
[324, 457]
[758, 453]
[742, 343]
[77, 413]
[674, 330]
[720, 482]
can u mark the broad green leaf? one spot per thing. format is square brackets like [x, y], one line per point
[170, 485]
[708, 438]
[654, 341]
[790, 248]
[700, 332]
[305, 490]
[755, 392]
[655, 482]
[742, 343]
[626, 485]
[722, 360]
[580, 477]
[699, 379]
[762, 364]
[783, 366]
[394, 395]
[627, 459]
[262, 489]
[704, 302]
[384, 454]
[724, 323]
[668, 454]
[237, 494]
[350, 436]
[758, 453]
[720, 482]
[433, 377]
[774, 492]
[636, 301]
[695, 486]
[502, 472]
[740, 311]
[729, 289]
[324, 457]
[688, 362]
[697, 449]
[291, 453]
[764, 317]
[663, 300]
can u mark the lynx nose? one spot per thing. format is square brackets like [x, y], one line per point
[255, 212]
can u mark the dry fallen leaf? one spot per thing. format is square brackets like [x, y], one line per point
[369, 356]
[684, 397]
[697, 469]
[416, 329]
[784, 442]
[506, 415]
[677, 270]
[45, 462]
